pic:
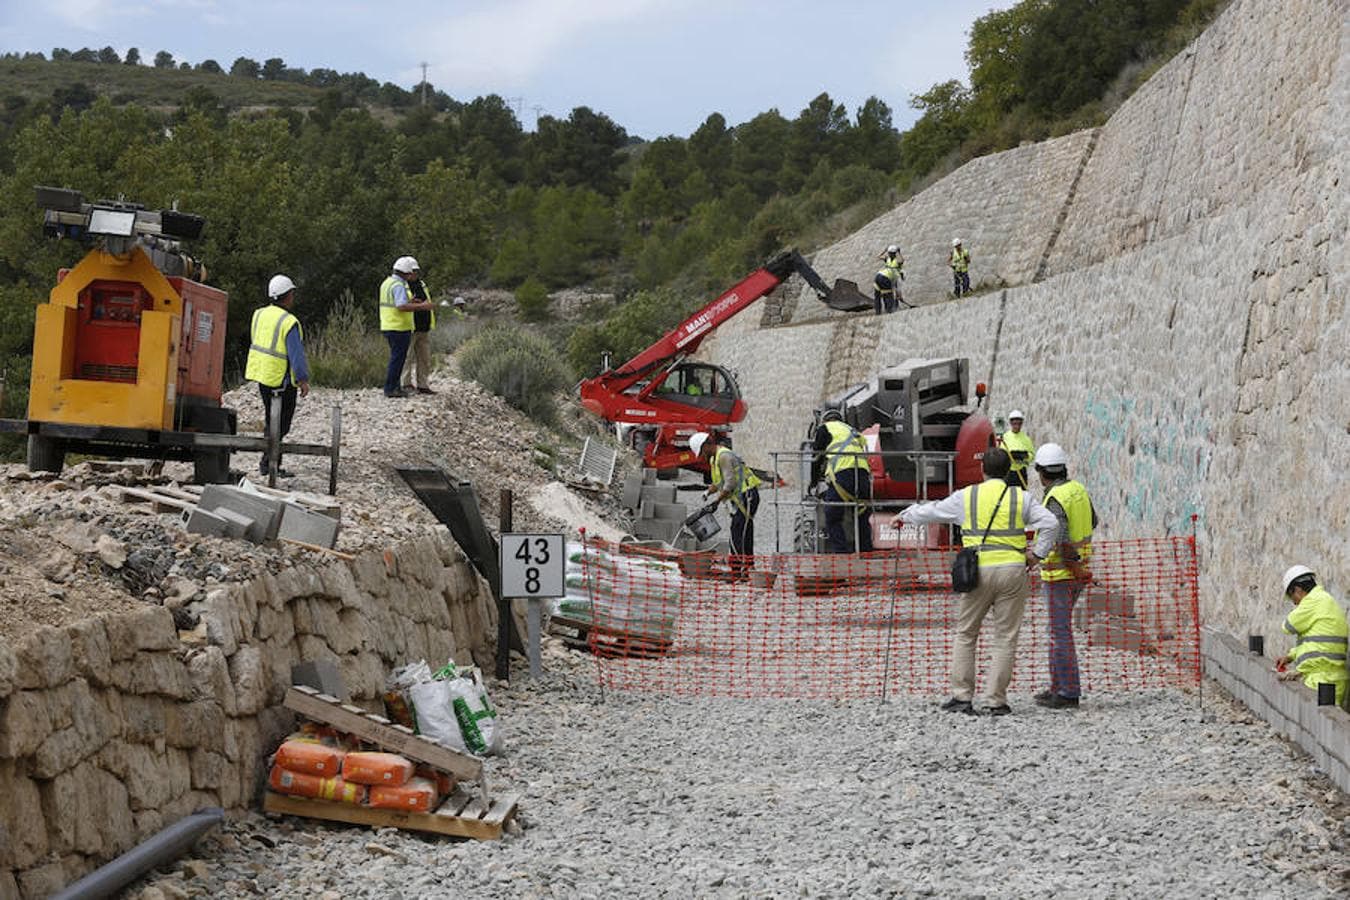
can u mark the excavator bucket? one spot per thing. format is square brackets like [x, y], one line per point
[846, 297]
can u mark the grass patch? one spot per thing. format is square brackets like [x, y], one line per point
[349, 352]
[522, 368]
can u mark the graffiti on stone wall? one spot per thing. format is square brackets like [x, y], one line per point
[1152, 456]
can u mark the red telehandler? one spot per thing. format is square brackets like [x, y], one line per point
[666, 397]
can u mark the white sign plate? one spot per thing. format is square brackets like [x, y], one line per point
[532, 565]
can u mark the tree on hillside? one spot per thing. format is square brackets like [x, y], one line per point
[273, 69]
[84, 54]
[244, 67]
[210, 65]
[941, 128]
[133, 57]
[995, 56]
[60, 54]
[76, 97]
[491, 137]
[874, 141]
[757, 155]
[710, 149]
[164, 60]
[582, 150]
[820, 131]
[109, 56]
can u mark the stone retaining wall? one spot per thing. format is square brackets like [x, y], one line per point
[111, 728]
[1188, 341]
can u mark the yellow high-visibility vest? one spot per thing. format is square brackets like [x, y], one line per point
[267, 360]
[1006, 542]
[1019, 442]
[891, 268]
[1320, 654]
[391, 317]
[960, 259]
[744, 476]
[1073, 498]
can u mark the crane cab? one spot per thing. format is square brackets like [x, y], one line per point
[708, 390]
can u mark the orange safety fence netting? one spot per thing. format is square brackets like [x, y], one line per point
[844, 627]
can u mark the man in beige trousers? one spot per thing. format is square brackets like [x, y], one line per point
[994, 518]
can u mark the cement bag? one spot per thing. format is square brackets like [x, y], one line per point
[396, 703]
[477, 719]
[433, 704]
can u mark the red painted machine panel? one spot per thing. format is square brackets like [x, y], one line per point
[201, 348]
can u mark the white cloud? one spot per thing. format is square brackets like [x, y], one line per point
[84, 14]
[502, 46]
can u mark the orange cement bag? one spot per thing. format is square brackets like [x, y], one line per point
[388, 769]
[418, 795]
[445, 782]
[300, 784]
[310, 757]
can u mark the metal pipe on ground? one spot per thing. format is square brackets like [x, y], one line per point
[167, 845]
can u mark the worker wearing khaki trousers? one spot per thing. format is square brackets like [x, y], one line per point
[994, 517]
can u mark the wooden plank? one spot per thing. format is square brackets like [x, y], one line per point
[436, 822]
[310, 703]
[502, 809]
[156, 498]
[454, 804]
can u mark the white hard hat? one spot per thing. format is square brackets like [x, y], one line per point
[696, 442]
[1016, 414]
[893, 248]
[459, 301]
[406, 264]
[1293, 573]
[279, 286]
[1051, 456]
[956, 242]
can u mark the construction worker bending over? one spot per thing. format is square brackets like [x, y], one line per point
[397, 306]
[1020, 448]
[960, 264]
[886, 283]
[841, 458]
[1318, 622]
[994, 517]
[419, 351]
[1064, 573]
[732, 480]
[276, 359]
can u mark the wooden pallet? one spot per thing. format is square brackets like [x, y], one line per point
[160, 497]
[461, 815]
[395, 738]
[581, 634]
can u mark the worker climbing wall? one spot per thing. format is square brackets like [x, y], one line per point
[1178, 323]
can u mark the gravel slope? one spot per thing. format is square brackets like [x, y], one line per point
[657, 797]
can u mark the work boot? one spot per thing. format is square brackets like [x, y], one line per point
[1001, 710]
[958, 706]
[425, 391]
[1055, 701]
[1043, 696]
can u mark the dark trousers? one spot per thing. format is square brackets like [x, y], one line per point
[288, 395]
[743, 524]
[398, 355]
[1062, 595]
[858, 483]
[960, 282]
[884, 294]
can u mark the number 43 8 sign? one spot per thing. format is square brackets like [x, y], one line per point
[532, 565]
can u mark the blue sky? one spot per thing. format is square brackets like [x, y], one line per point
[654, 66]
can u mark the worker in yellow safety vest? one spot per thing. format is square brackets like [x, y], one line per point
[732, 480]
[840, 460]
[959, 261]
[994, 517]
[886, 283]
[1318, 622]
[276, 359]
[397, 305]
[419, 348]
[1020, 448]
[1064, 573]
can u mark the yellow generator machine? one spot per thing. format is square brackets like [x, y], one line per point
[128, 352]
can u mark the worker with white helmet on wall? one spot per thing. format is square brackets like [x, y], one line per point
[732, 480]
[276, 358]
[959, 260]
[886, 283]
[397, 306]
[1318, 622]
[1064, 572]
[1020, 448]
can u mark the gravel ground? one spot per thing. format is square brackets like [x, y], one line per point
[1132, 795]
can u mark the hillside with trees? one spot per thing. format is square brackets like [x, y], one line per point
[329, 176]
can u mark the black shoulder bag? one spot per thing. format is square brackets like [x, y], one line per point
[966, 566]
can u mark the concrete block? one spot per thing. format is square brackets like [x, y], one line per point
[236, 524]
[632, 491]
[264, 511]
[675, 512]
[322, 675]
[649, 476]
[300, 524]
[199, 521]
[659, 493]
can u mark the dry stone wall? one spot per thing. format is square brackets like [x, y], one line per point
[111, 728]
[1189, 345]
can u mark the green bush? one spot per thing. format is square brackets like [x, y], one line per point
[532, 300]
[348, 351]
[521, 368]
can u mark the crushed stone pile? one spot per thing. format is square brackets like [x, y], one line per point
[635, 796]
